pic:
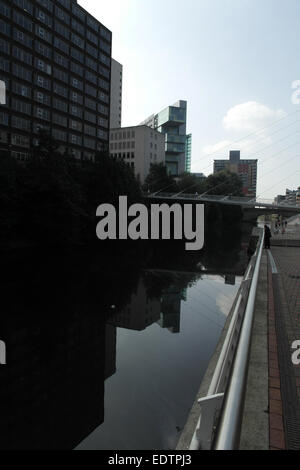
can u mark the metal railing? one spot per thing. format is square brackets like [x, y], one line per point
[218, 426]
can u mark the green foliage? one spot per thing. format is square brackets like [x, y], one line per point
[190, 184]
[224, 183]
[52, 199]
[159, 179]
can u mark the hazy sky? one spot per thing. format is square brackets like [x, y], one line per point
[234, 61]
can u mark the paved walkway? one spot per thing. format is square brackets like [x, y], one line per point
[284, 329]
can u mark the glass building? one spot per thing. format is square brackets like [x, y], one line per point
[172, 122]
[56, 65]
[188, 153]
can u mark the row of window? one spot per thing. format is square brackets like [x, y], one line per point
[123, 145]
[122, 135]
[63, 16]
[44, 114]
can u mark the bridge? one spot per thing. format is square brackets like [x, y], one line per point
[260, 205]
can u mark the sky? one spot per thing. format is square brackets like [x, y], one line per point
[234, 61]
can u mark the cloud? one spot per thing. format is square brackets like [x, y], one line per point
[251, 117]
[219, 146]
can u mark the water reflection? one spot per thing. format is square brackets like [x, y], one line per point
[103, 353]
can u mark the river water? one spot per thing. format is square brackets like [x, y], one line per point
[108, 354]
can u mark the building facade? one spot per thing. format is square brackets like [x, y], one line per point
[139, 146]
[188, 153]
[56, 64]
[172, 123]
[116, 95]
[245, 169]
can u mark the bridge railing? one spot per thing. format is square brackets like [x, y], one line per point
[220, 415]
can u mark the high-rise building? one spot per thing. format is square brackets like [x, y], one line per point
[116, 94]
[56, 64]
[245, 169]
[188, 153]
[139, 146]
[172, 122]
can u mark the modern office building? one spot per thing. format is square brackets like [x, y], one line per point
[246, 169]
[188, 153]
[139, 146]
[291, 198]
[56, 64]
[116, 94]
[172, 122]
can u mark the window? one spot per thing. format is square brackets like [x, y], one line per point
[92, 51]
[43, 66]
[105, 34]
[90, 117]
[105, 47]
[76, 83]
[91, 91]
[60, 75]
[21, 89]
[89, 143]
[42, 49]
[42, 98]
[47, 4]
[91, 63]
[59, 135]
[78, 12]
[20, 123]
[42, 113]
[43, 34]
[4, 46]
[21, 106]
[60, 120]
[77, 41]
[103, 109]
[77, 55]
[22, 55]
[20, 140]
[91, 37]
[103, 84]
[92, 23]
[91, 77]
[61, 60]
[62, 15]
[22, 21]
[75, 111]
[60, 90]
[21, 72]
[60, 44]
[43, 82]
[103, 97]
[75, 125]
[75, 139]
[90, 130]
[25, 5]
[41, 16]
[76, 97]
[4, 28]
[77, 69]
[21, 37]
[77, 27]
[62, 30]
[4, 119]
[91, 104]
[4, 65]
[4, 10]
[60, 105]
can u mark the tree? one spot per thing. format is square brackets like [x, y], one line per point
[224, 183]
[159, 179]
[189, 184]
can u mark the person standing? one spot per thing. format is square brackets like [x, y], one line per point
[268, 237]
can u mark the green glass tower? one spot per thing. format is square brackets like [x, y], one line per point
[172, 122]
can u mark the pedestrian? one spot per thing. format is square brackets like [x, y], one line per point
[268, 237]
